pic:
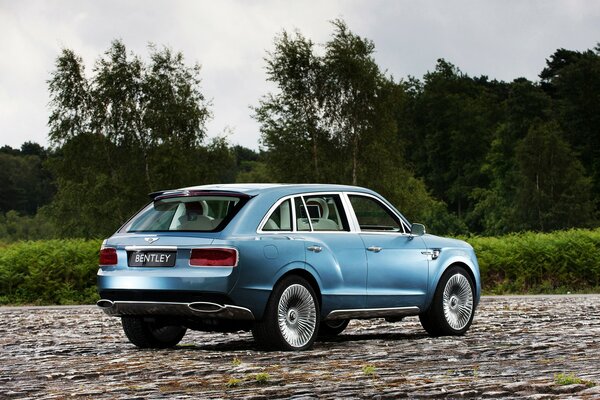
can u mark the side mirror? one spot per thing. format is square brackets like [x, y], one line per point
[417, 229]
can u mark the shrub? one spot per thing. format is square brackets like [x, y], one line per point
[540, 262]
[64, 271]
[49, 272]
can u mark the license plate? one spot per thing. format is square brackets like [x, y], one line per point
[152, 258]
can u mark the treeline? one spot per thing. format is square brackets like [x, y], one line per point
[463, 154]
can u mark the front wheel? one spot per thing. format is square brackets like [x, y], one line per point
[154, 334]
[453, 307]
[291, 318]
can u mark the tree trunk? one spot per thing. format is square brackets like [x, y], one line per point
[315, 158]
[354, 159]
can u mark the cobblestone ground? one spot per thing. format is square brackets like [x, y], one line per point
[516, 348]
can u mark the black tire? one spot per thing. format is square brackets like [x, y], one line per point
[151, 335]
[291, 318]
[453, 305]
[333, 327]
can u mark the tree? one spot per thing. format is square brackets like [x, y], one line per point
[350, 89]
[131, 128]
[292, 120]
[526, 105]
[553, 192]
[333, 119]
[26, 183]
[454, 118]
[572, 78]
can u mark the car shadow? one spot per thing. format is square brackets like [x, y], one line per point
[329, 341]
[356, 337]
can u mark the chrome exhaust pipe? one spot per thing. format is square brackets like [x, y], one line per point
[206, 307]
[104, 303]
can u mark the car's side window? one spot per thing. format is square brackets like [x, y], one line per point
[373, 216]
[280, 219]
[326, 212]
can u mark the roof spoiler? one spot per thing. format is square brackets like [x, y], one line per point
[164, 194]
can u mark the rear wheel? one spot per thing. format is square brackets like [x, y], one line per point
[154, 334]
[452, 309]
[333, 327]
[291, 318]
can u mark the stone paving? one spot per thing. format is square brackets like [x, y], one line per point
[516, 348]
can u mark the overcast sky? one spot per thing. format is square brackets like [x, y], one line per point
[502, 39]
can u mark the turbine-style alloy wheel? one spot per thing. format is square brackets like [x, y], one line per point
[453, 306]
[291, 318]
[296, 315]
[458, 302]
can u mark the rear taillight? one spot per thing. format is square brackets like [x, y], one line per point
[108, 256]
[214, 257]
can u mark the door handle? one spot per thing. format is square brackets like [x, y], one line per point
[316, 249]
[375, 249]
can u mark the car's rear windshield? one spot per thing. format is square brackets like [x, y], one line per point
[207, 213]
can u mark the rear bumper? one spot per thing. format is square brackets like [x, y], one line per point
[194, 309]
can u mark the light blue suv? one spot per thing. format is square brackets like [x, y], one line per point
[289, 262]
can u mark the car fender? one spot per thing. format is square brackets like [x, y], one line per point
[255, 293]
[447, 258]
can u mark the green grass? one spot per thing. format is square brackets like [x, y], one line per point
[233, 382]
[262, 378]
[571, 379]
[369, 370]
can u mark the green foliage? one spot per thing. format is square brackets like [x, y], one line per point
[14, 226]
[572, 79]
[462, 154]
[571, 379]
[25, 182]
[333, 119]
[539, 262]
[553, 192]
[49, 272]
[132, 128]
[64, 271]
[262, 378]
[369, 370]
[233, 382]
[453, 116]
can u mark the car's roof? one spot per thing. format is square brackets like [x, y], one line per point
[253, 189]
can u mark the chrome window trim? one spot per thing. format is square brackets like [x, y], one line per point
[262, 223]
[293, 211]
[403, 222]
[350, 215]
[345, 209]
[307, 215]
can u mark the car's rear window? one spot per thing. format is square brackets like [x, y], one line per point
[186, 213]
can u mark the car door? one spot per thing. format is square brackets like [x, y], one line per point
[332, 251]
[397, 264]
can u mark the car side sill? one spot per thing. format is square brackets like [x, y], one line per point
[195, 309]
[364, 313]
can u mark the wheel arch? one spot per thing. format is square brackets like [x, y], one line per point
[309, 278]
[454, 263]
